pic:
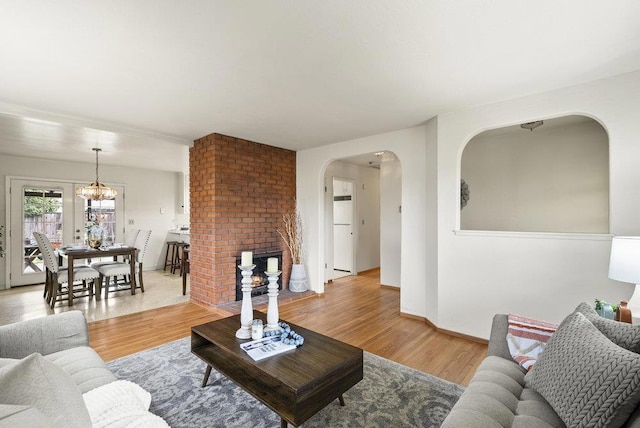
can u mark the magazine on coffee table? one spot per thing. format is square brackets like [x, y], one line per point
[265, 347]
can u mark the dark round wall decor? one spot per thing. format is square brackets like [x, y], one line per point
[464, 194]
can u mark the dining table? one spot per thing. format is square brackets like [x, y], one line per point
[73, 253]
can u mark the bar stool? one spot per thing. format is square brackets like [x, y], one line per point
[177, 260]
[171, 245]
[185, 269]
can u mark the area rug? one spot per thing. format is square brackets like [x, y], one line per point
[390, 395]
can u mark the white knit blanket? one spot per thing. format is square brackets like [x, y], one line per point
[121, 404]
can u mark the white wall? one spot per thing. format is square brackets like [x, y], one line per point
[409, 147]
[391, 220]
[430, 218]
[367, 198]
[470, 276]
[540, 275]
[368, 215]
[147, 191]
[554, 179]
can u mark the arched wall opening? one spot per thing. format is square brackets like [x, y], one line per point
[542, 176]
[540, 274]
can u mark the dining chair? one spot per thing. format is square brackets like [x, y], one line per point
[56, 276]
[44, 244]
[115, 269]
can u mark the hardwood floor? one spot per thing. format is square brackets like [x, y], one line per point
[355, 310]
[116, 337]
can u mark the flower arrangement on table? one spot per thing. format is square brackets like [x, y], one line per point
[95, 232]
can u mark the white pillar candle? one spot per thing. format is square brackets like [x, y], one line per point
[247, 258]
[272, 264]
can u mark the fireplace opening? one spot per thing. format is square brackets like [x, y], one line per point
[259, 280]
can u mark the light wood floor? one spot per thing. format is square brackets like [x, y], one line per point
[355, 310]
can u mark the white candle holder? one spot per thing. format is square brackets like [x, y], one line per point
[272, 309]
[246, 314]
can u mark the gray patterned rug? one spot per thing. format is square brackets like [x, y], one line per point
[390, 395]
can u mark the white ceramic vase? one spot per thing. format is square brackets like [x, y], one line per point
[298, 279]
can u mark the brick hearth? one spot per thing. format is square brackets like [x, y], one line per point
[239, 191]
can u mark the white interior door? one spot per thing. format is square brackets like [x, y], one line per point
[43, 206]
[343, 214]
[343, 250]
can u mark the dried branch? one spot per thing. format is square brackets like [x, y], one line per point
[292, 235]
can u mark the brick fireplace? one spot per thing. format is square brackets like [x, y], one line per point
[239, 191]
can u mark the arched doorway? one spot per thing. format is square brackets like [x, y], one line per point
[375, 229]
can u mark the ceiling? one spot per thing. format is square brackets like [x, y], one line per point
[557, 122]
[143, 79]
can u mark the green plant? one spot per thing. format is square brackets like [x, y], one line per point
[38, 205]
[600, 302]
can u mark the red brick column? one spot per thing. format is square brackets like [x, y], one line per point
[239, 192]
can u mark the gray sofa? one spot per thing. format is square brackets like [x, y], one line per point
[588, 375]
[46, 365]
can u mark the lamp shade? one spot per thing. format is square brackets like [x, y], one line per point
[624, 264]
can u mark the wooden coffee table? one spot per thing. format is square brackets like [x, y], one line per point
[295, 384]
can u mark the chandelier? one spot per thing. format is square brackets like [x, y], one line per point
[96, 191]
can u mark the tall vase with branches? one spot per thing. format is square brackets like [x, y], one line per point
[292, 237]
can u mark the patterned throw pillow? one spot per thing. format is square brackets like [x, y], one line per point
[620, 333]
[587, 379]
[527, 338]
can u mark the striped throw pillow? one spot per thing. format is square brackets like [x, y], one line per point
[527, 338]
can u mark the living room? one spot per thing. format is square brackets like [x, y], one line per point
[331, 83]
